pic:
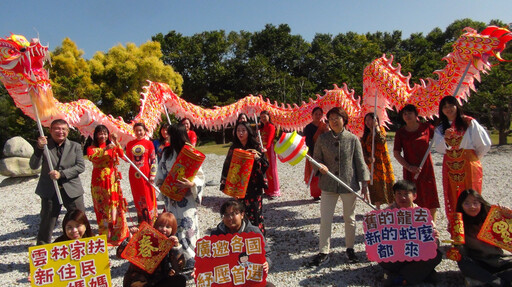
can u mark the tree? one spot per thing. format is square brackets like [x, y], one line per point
[493, 99]
[14, 121]
[70, 75]
[123, 71]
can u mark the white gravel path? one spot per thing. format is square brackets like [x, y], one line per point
[292, 223]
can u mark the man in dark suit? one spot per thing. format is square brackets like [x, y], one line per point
[68, 164]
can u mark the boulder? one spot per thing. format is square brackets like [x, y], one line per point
[17, 167]
[18, 147]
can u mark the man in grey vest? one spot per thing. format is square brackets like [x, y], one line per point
[68, 164]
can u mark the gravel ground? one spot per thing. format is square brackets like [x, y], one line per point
[292, 223]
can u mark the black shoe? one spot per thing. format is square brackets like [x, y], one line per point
[316, 198]
[318, 260]
[352, 258]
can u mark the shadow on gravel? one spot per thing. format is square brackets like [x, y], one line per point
[16, 180]
[350, 275]
[19, 267]
[213, 203]
[15, 249]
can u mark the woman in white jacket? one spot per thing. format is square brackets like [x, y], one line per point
[185, 210]
[463, 141]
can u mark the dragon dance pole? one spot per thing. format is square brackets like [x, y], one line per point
[142, 174]
[424, 159]
[432, 141]
[167, 114]
[373, 138]
[258, 130]
[46, 152]
[339, 181]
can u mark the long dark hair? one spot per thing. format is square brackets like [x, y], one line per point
[178, 136]
[261, 125]
[460, 123]
[252, 143]
[368, 131]
[98, 129]
[80, 217]
[240, 115]
[189, 122]
[484, 210]
[161, 139]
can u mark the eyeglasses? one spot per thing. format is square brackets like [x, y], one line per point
[471, 203]
[230, 215]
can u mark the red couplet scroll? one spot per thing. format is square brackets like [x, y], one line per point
[187, 164]
[457, 228]
[497, 228]
[230, 260]
[239, 173]
[147, 248]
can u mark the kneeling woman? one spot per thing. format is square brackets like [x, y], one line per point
[75, 226]
[480, 260]
[234, 221]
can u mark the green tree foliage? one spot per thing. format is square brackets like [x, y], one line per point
[492, 102]
[14, 122]
[70, 75]
[113, 81]
[123, 71]
[218, 68]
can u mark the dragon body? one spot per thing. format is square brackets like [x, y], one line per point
[22, 73]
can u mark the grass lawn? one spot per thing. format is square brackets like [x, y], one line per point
[219, 149]
[493, 135]
[222, 149]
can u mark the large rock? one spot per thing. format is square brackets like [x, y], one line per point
[18, 147]
[16, 167]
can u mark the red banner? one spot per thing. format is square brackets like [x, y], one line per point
[497, 228]
[230, 260]
[147, 248]
[239, 173]
[187, 163]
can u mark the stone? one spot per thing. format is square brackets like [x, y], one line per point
[17, 167]
[18, 147]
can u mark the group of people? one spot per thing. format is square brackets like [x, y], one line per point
[109, 203]
[459, 137]
[462, 141]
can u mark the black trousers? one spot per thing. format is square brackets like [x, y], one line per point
[491, 275]
[413, 272]
[50, 210]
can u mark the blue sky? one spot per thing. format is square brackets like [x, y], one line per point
[98, 25]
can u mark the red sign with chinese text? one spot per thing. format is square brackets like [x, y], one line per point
[497, 228]
[147, 248]
[230, 260]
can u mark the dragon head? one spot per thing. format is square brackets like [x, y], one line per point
[23, 62]
[490, 42]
